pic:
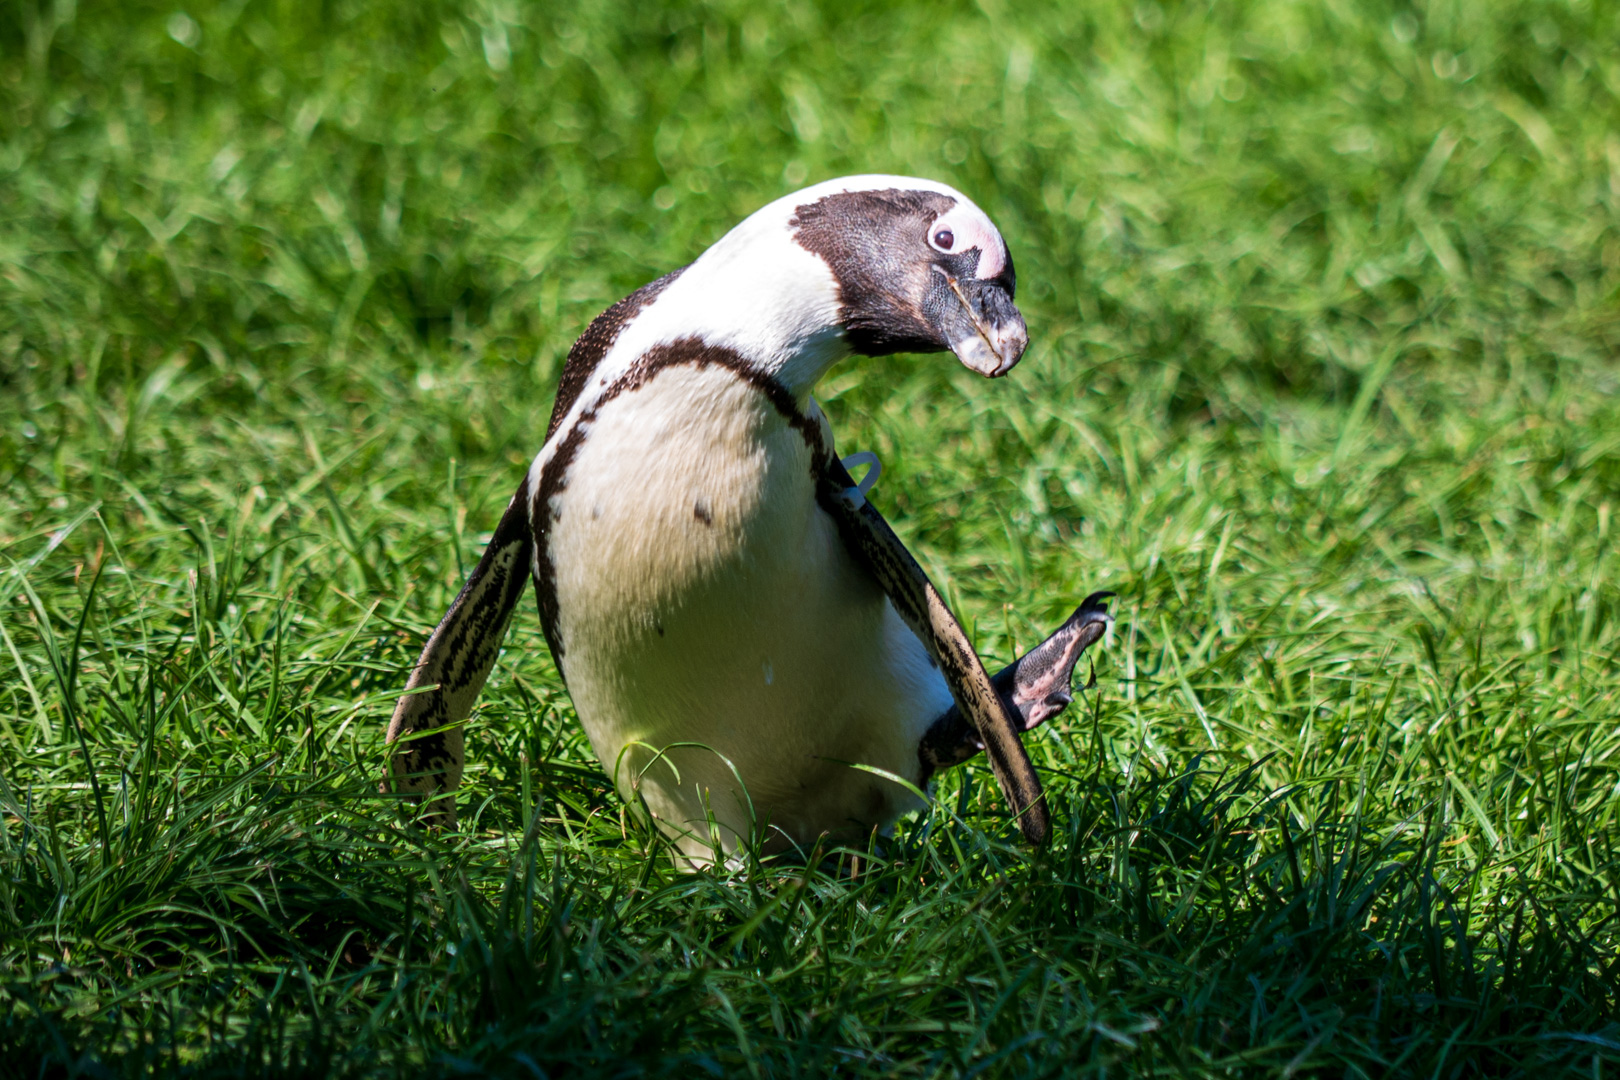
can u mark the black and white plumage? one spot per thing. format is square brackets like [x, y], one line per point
[736, 624]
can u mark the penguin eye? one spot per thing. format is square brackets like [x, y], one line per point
[943, 239]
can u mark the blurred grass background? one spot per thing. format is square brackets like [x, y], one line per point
[1324, 304]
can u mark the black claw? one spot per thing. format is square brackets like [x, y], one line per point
[1096, 602]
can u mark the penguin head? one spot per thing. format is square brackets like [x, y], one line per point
[918, 268]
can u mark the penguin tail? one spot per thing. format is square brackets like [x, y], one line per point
[425, 737]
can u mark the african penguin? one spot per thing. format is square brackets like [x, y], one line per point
[748, 645]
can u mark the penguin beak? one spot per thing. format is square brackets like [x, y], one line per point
[982, 327]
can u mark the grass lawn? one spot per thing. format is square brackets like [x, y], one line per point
[1324, 302]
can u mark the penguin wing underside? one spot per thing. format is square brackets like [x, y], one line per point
[874, 544]
[426, 727]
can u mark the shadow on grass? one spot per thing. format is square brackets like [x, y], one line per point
[1186, 923]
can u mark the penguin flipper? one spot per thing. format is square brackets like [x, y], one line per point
[1036, 686]
[426, 726]
[872, 542]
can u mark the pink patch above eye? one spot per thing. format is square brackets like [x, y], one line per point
[971, 229]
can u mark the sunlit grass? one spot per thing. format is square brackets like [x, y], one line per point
[1324, 314]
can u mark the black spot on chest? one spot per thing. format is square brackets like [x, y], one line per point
[686, 352]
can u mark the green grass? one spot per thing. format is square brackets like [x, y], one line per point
[1325, 312]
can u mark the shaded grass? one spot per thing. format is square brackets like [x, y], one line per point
[1324, 316]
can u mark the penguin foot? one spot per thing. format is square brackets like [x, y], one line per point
[1035, 687]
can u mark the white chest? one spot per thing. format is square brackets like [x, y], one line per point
[705, 600]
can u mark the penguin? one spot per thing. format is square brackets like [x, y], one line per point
[754, 655]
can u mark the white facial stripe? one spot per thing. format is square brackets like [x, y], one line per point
[970, 228]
